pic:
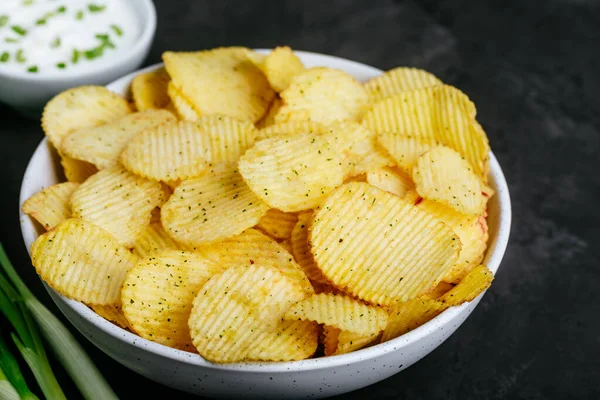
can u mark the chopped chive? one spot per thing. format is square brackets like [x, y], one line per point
[75, 56]
[79, 15]
[94, 53]
[33, 68]
[117, 29]
[19, 30]
[20, 57]
[4, 57]
[40, 21]
[55, 43]
[61, 65]
[27, 2]
[3, 20]
[61, 9]
[96, 8]
[10, 40]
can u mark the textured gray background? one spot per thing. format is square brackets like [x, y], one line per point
[532, 69]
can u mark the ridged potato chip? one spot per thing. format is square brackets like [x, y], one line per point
[287, 341]
[51, 205]
[154, 239]
[226, 138]
[168, 152]
[255, 248]
[183, 107]
[76, 170]
[378, 247]
[398, 80]
[235, 308]
[158, 292]
[301, 249]
[348, 342]
[471, 286]
[438, 291]
[102, 145]
[78, 108]
[443, 175]
[407, 316]
[281, 66]
[339, 311]
[405, 150]
[82, 261]
[292, 173]
[213, 207]
[269, 118]
[323, 95]
[278, 224]
[221, 81]
[470, 229]
[112, 313]
[117, 201]
[392, 180]
[291, 128]
[441, 113]
[149, 90]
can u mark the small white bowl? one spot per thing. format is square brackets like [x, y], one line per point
[28, 93]
[314, 378]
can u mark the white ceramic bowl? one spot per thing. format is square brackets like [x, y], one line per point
[28, 93]
[300, 379]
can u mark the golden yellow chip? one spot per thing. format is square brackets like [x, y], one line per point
[213, 207]
[349, 341]
[112, 313]
[258, 59]
[158, 293]
[378, 247]
[149, 90]
[392, 180]
[167, 153]
[255, 248]
[183, 107]
[102, 145]
[221, 81]
[470, 229]
[235, 308]
[405, 150]
[301, 249]
[441, 113]
[398, 80]
[117, 201]
[76, 170]
[409, 315]
[50, 206]
[291, 128]
[339, 311]
[78, 108]
[154, 239]
[438, 291]
[323, 95]
[281, 66]
[269, 118]
[226, 138]
[330, 339]
[471, 286]
[278, 224]
[442, 175]
[287, 245]
[82, 261]
[292, 173]
[287, 341]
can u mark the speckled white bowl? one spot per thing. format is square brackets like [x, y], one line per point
[28, 92]
[301, 379]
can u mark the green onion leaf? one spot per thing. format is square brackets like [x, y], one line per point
[75, 56]
[79, 15]
[94, 53]
[40, 22]
[33, 68]
[19, 30]
[61, 65]
[20, 57]
[11, 369]
[5, 57]
[7, 390]
[61, 10]
[3, 20]
[96, 8]
[117, 29]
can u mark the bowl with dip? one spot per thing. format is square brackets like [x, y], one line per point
[47, 46]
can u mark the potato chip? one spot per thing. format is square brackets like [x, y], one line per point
[112, 313]
[392, 180]
[154, 239]
[378, 247]
[441, 113]
[255, 248]
[235, 308]
[221, 81]
[412, 197]
[281, 66]
[471, 286]
[269, 118]
[301, 248]
[102, 145]
[76, 170]
[50, 206]
[287, 341]
[438, 291]
[330, 339]
[278, 224]
[183, 107]
[398, 80]
[470, 229]
[409, 315]
[149, 90]
[117, 201]
[323, 95]
[292, 174]
[339, 311]
[82, 261]
[168, 152]
[287, 245]
[258, 59]
[291, 128]
[213, 207]
[349, 341]
[78, 108]
[442, 175]
[405, 150]
[158, 293]
[226, 138]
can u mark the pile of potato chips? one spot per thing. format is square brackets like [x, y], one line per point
[251, 209]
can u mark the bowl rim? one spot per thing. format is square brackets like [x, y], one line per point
[110, 329]
[143, 41]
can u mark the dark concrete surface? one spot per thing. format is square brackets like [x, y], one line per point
[532, 68]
